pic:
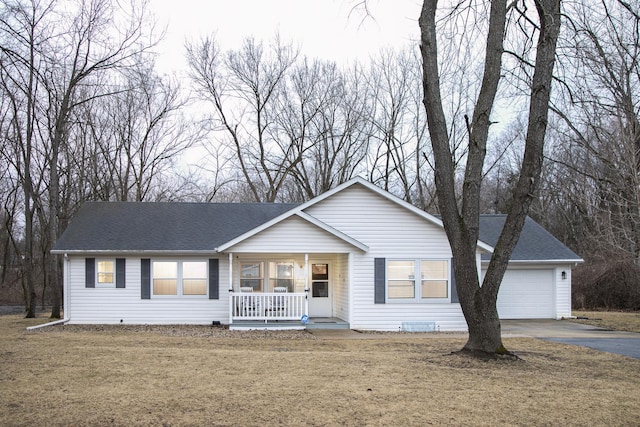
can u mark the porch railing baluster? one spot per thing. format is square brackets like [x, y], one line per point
[267, 306]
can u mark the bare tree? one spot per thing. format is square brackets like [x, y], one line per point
[323, 112]
[395, 145]
[24, 32]
[53, 59]
[139, 132]
[242, 86]
[461, 222]
[76, 59]
[599, 127]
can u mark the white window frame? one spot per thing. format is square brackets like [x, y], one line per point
[111, 284]
[260, 278]
[179, 288]
[417, 282]
[266, 273]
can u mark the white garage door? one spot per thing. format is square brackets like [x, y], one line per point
[526, 294]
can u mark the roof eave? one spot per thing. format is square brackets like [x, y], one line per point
[304, 216]
[133, 251]
[540, 261]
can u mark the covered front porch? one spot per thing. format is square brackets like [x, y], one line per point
[288, 291]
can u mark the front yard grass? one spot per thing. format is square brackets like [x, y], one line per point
[112, 376]
[614, 320]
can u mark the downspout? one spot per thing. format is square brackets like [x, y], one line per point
[65, 289]
[231, 302]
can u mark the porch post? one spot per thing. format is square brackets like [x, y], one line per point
[306, 284]
[231, 288]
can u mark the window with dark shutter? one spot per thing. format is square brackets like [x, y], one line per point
[379, 279]
[145, 278]
[454, 289]
[120, 272]
[90, 272]
[214, 279]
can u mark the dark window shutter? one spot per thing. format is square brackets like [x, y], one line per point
[120, 272]
[214, 279]
[379, 279]
[454, 289]
[90, 272]
[145, 278]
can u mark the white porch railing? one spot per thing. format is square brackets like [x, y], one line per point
[267, 306]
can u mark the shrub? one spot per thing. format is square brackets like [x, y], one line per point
[606, 285]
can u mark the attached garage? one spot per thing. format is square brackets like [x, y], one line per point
[527, 294]
[537, 283]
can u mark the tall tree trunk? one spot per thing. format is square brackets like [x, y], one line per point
[27, 184]
[54, 202]
[461, 224]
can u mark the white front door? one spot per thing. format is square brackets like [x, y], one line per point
[320, 292]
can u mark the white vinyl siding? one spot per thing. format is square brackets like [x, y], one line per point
[341, 287]
[293, 235]
[563, 291]
[111, 305]
[391, 232]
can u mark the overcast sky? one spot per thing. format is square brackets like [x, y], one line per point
[328, 29]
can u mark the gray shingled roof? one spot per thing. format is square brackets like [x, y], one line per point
[535, 243]
[131, 226]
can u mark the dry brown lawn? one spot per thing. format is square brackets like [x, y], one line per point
[205, 376]
[615, 320]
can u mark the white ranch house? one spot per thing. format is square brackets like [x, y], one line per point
[355, 257]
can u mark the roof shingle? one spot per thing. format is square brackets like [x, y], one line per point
[535, 243]
[145, 226]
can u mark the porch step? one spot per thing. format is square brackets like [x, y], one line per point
[314, 323]
[327, 323]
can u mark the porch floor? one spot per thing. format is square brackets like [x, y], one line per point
[313, 323]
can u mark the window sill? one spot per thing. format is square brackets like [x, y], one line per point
[419, 301]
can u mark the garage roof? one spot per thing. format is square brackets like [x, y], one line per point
[535, 243]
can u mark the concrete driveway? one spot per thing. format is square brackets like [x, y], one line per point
[563, 331]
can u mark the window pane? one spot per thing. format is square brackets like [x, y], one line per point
[434, 288]
[165, 278]
[165, 287]
[285, 271]
[194, 287]
[163, 270]
[400, 270]
[401, 289]
[256, 284]
[434, 270]
[320, 289]
[251, 270]
[281, 275]
[320, 272]
[194, 270]
[105, 277]
[105, 271]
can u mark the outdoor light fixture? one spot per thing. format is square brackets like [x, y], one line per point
[564, 275]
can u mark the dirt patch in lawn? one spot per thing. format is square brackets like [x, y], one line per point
[614, 320]
[88, 376]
